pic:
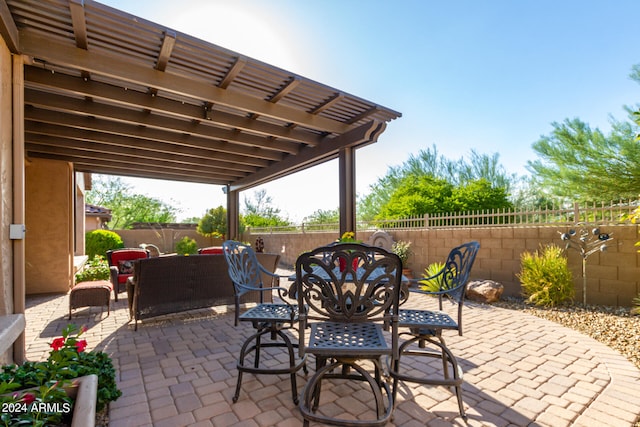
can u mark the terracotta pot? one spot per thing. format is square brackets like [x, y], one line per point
[343, 264]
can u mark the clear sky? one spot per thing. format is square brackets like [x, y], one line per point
[485, 75]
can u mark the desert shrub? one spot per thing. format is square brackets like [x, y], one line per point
[432, 285]
[96, 269]
[636, 306]
[98, 242]
[187, 246]
[545, 277]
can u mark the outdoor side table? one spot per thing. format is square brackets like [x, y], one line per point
[90, 294]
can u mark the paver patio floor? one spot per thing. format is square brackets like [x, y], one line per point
[519, 370]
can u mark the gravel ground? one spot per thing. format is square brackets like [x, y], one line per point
[613, 326]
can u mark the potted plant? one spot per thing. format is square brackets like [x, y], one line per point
[55, 392]
[403, 250]
[348, 237]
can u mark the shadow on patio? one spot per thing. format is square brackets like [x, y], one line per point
[180, 370]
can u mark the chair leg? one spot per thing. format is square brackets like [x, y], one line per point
[237, 312]
[311, 393]
[444, 354]
[238, 386]
[256, 363]
[254, 345]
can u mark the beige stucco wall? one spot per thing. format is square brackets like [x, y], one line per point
[613, 276]
[164, 239]
[6, 182]
[50, 229]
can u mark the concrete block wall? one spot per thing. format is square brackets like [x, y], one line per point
[613, 277]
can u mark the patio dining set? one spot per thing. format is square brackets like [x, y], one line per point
[344, 306]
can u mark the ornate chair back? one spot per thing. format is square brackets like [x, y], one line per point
[453, 278]
[348, 283]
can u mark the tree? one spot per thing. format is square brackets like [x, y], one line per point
[417, 195]
[127, 207]
[479, 195]
[323, 217]
[260, 213]
[423, 194]
[380, 192]
[578, 163]
[428, 163]
[213, 223]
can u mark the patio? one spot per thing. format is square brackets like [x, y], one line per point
[180, 370]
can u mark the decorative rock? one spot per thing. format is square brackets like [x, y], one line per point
[484, 291]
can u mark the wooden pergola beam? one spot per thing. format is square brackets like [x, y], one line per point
[365, 134]
[240, 142]
[39, 78]
[48, 49]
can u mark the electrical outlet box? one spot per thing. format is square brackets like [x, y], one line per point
[17, 231]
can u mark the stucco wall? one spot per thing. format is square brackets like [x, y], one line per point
[6, 182]
[49, 238]
[613, 276]
[164, 239]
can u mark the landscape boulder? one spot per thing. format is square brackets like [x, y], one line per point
[484, 291]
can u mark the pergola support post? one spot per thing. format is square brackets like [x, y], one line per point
[233, 213]
[19, 202]
[347, 182]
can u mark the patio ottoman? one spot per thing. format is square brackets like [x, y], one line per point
[91, 294]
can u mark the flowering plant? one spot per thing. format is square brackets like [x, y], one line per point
[96, 269]
[403, 250]
[42, 384]
[348, 237]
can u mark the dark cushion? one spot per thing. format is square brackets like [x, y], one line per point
[125, 266]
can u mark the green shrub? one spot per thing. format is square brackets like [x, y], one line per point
[545, 277]
[432, 285]
[98, 242]
[187, 246]
[96, 269]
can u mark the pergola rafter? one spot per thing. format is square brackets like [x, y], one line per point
[113, 93]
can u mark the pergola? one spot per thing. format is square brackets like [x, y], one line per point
[115, 94]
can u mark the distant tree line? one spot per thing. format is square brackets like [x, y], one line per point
[575, 163]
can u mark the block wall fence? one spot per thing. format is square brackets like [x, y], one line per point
[613, 276]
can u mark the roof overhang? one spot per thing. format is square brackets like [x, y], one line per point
[113, 93]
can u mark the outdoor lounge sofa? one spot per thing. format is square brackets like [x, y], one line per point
[173, 284]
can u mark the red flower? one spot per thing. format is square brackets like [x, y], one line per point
[83, 329]
[81, 345]
[57, 344]
[28, 398]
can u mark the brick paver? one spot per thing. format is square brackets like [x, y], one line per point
[519, 370]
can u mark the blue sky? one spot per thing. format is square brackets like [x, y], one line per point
[485, 75]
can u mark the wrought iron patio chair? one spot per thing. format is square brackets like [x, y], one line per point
[426, 326]
[272, 319]
[348, 294]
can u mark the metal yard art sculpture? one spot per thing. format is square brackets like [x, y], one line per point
[586, 243]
